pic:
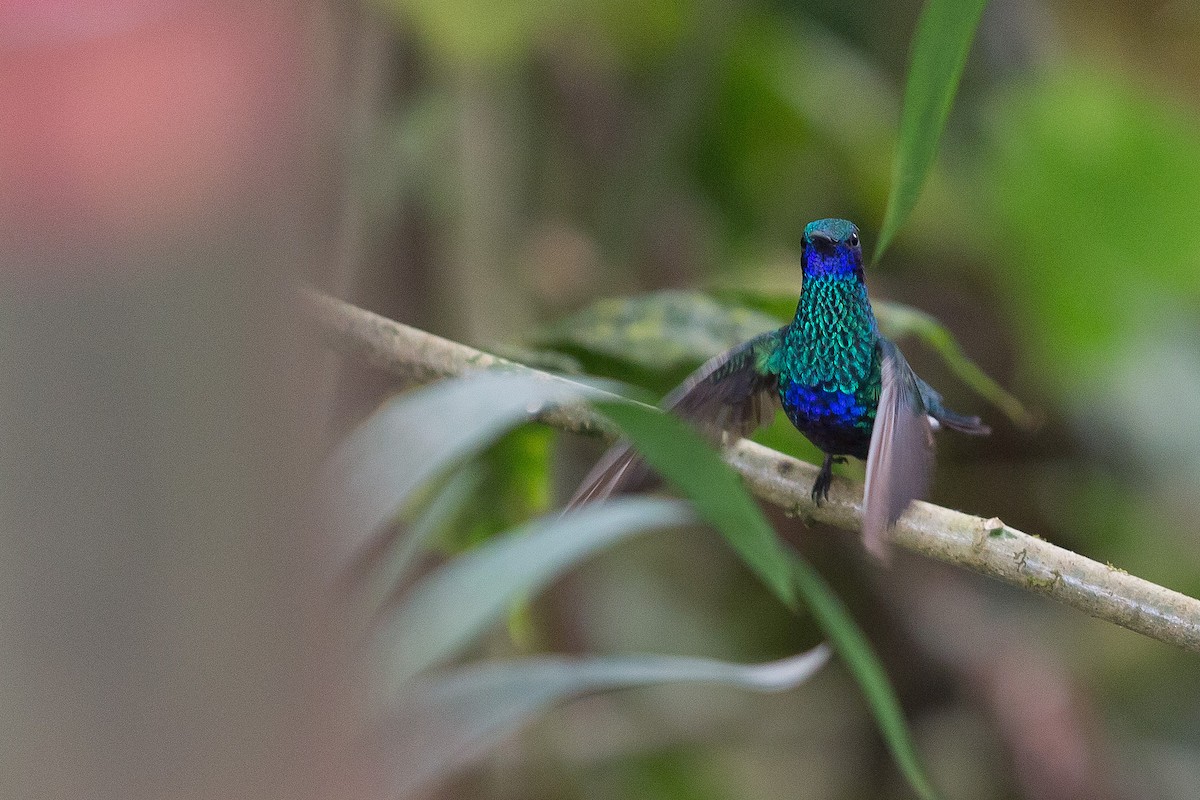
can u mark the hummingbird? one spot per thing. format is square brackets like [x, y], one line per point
[842, 384]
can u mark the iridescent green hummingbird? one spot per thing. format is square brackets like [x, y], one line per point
[843, 385]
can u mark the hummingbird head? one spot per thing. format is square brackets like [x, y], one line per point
[831, 249]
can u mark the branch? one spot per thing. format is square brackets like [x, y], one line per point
[987, 546]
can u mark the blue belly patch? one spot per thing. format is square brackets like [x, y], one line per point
[827, 407]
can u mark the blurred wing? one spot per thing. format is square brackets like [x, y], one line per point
[731, 395]
[727, 398]
[900, 456]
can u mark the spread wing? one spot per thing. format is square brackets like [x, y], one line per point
[727, 398]
[900, 456]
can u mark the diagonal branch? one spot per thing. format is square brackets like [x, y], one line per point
[987, 546]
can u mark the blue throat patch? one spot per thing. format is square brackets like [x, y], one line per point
[842, 264]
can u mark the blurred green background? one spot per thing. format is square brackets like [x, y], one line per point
[516, 161]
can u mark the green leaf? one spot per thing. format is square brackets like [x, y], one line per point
[678, 453]
[850, 643]
[419, 436]
[939, 52]
[455, 717]
[666, 332]
[450, 607]
[429, 521]
[515, 486]
[898, 320]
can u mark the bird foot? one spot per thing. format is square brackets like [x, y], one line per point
[820, 490]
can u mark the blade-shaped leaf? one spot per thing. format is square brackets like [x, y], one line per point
[898, 320]
[451, 606]
[418, 436]
[396, 564]
[678, 453]
[454, 718]
[852, 646]
[939, 52]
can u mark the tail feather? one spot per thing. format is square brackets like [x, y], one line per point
[960, 422]
[973, 426]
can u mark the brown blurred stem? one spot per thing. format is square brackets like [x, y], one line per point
[987, 546]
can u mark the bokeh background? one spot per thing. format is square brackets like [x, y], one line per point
[534, 157]
[484, 170]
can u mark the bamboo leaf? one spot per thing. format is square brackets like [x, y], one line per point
[419, 436]
[657, 330]
[429, 522]
[680, 456]
[940, 46]
[456, 717]
[850, 643]
[449, 608]
[660, 335]
[678, 453]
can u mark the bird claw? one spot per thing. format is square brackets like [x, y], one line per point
[820, 490]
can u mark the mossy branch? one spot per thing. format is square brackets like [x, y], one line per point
[987, 546]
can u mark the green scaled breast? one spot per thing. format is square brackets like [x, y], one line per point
[829, 365]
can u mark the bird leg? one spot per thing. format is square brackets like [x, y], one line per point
[820, 490]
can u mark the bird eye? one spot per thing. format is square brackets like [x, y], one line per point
[853, 240]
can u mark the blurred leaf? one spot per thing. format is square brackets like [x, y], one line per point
[545, 360]
[447, 609]
[515, 486]
[455, 717]
[850, 643]
[678, 453]
[897, 320]
[939, 52]
[779, 305]
[662, 331]
[420, 435]
[429, 522]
